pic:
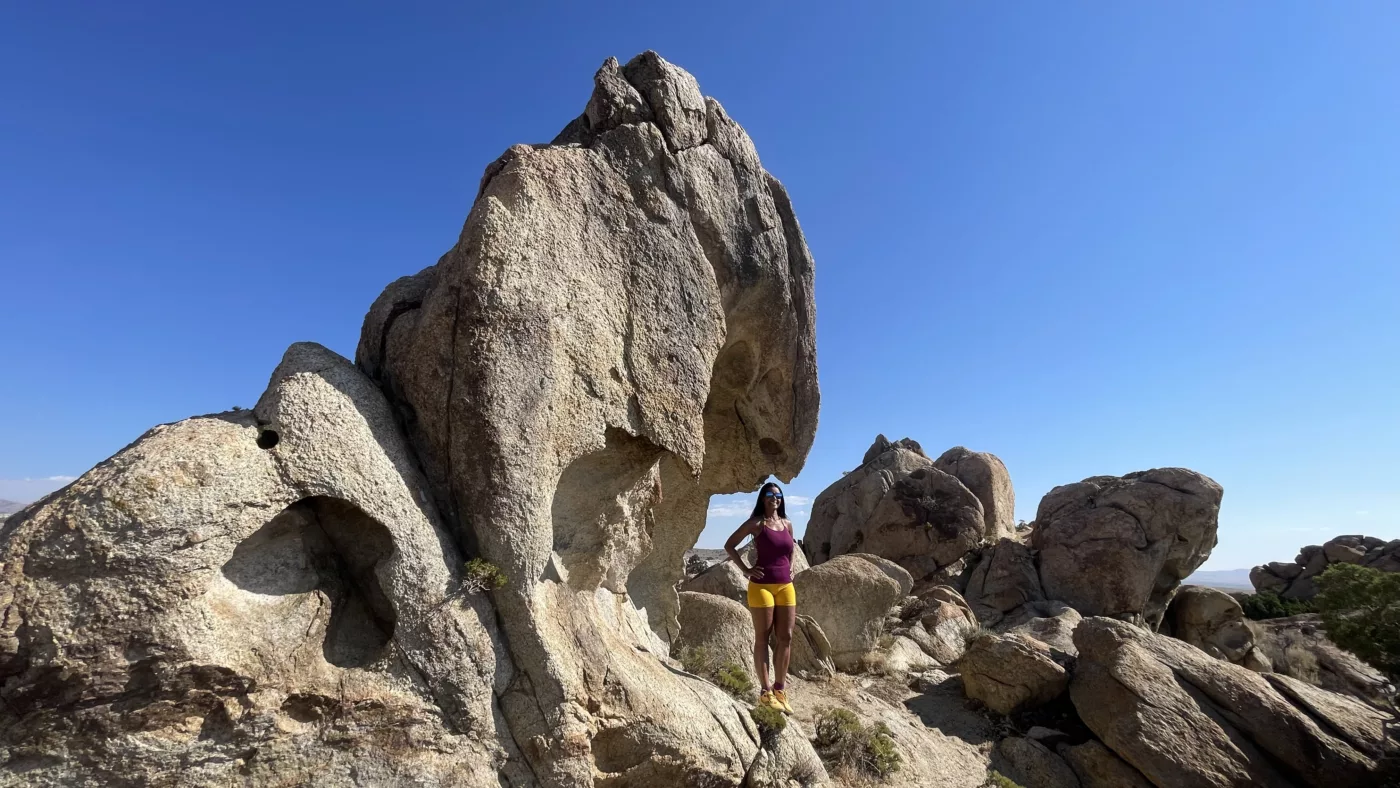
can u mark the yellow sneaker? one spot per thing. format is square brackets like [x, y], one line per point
[780, 701]
[765, 698]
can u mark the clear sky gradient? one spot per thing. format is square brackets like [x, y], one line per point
[1090, 238]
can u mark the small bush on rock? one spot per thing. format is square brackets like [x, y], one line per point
[696, 659]
[996, 779]
[732, 678]
[842, 739]
[481, 575]
[769, 720]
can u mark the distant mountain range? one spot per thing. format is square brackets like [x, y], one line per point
[1221, 578]
[10, 507]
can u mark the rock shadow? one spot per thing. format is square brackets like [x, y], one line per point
[328, 546]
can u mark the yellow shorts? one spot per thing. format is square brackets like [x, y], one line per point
[772, 595]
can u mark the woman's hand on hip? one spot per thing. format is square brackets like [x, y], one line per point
[754, 573]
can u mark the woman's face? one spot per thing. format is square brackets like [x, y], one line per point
[771, 499]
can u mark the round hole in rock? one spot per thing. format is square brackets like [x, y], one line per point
[770, 447]
[268, 438]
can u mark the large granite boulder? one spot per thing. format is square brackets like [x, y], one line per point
[273, 581]
[721, 627]
[723, 579]
[899, 506]
[985, 475]
[624, 328]
[848, 598]
[1183, 718]
[1120, 546]
[1296, 580]
[1210, 620]
[1010, 673]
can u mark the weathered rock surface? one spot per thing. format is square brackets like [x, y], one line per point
[945, 623]
[198, 599]
[1210, 620]
[1295, 580]
[1183, 718]
[1049, 622]
[1011, 672]
[1298, 646]
[624, 328]
[1030, 763]
[1004, 579]
[811, 651]
[899, 506]
[848, 597]
[1097, 767]
[720, 626]
[1120, 546]
[940, 741]
[723, 579]
[985, 475]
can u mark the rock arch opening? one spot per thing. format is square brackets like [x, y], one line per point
[318, 553]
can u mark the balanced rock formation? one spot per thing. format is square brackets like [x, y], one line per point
[1183, 718]
[899, 506]
[1213, 622]
[986, 476]
[624, 327]
[1295, 580]
[1120, 546]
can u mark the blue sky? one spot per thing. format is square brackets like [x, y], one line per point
[1090, 238]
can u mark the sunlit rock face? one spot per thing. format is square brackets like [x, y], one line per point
[624, 328]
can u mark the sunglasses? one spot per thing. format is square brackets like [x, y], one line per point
[771, 494]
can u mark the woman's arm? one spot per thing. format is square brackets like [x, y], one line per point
[731, 546]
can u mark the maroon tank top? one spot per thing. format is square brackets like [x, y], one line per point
[774, 555]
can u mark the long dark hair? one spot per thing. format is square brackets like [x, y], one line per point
[758, 505]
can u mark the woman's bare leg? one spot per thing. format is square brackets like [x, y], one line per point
[783, 620]
[762, 626]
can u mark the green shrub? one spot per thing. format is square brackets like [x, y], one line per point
[834, 726]
[881, 757]
[697, 660]
[1360, 610]
[841, 738]
[1266, 604]
[769, 720]
[732, 678]
[481, 575]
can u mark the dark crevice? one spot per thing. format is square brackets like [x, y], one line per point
[395, 312]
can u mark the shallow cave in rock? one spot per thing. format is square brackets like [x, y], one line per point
[326, 545]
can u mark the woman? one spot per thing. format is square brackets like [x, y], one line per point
[772, 600]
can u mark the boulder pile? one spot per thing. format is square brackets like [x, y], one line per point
[1294, 580]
